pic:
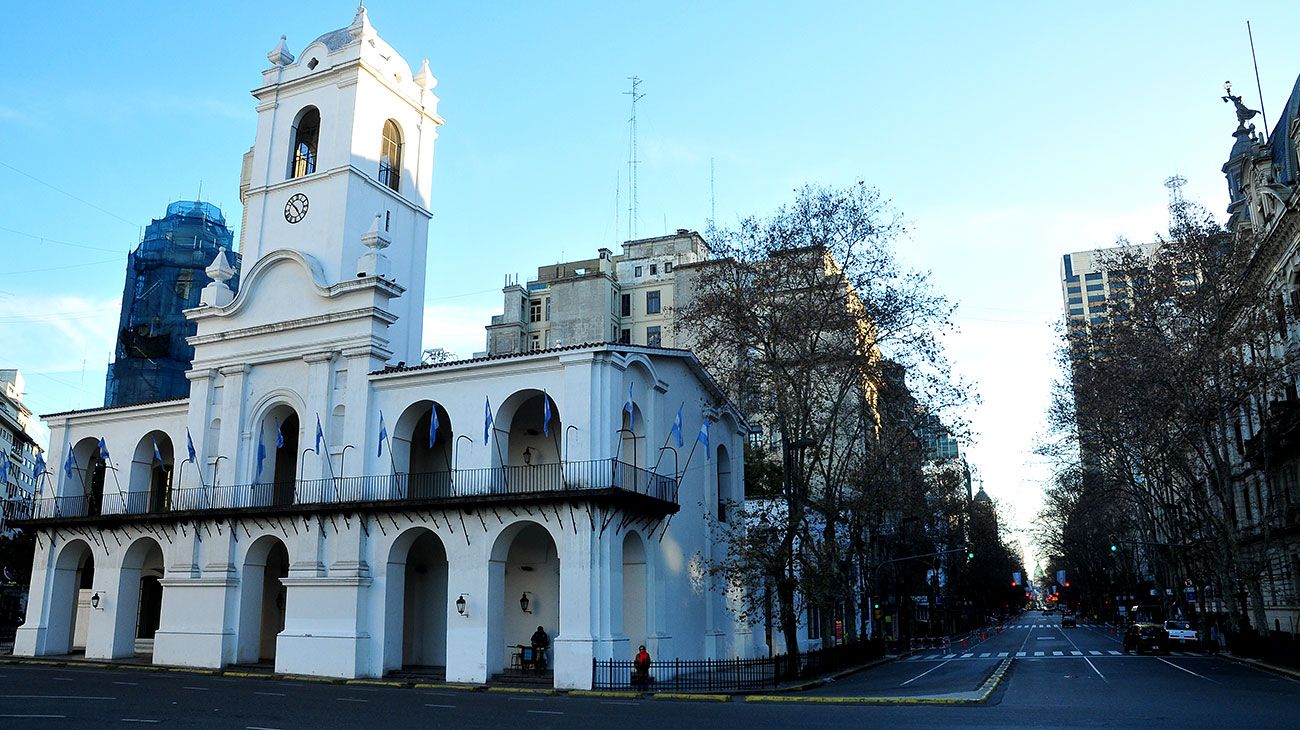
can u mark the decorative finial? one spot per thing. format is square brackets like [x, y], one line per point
[218, 293]
[1243, 114]
[373, 262]
[425, 79]
[280, 55]
[360, 22]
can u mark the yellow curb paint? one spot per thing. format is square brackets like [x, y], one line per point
[601, 693]
[684, 696]
[522, 690]
[375, 682]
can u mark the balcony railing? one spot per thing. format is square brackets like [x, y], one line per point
[538, 479]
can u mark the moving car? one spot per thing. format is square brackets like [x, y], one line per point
[1182, 633]
[1068, 621]
[1148, 637]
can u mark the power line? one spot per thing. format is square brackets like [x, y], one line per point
[70, 195]
[43, 239]
[59, 268]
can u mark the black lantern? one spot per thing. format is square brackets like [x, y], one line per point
[94, 600]
[460, 604]
[523, 603]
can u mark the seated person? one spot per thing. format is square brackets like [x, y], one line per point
[540, 641]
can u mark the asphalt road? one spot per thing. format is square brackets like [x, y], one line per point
[1093, 688]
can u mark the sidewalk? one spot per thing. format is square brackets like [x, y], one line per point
[1263, 666]
[972, 697]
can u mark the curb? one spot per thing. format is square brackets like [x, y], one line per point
[689, 696]
[603, 693]
[522, 690]
[981, 695]
[1263, 666]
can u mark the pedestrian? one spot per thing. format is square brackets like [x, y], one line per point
[540, 641]
[641, 669]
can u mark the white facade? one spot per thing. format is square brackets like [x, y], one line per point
[364, 554]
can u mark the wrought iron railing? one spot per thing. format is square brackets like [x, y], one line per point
[569, 476]
[729, 675]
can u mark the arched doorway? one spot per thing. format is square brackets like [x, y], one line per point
[71, 589]
[416, 603]
[149, 485]
[139, 598]
[276, 461]
[527, 442]
[423, 447]
[631, 431]
[525, 564]
[635, 578]
[262, 600]
[84, 492]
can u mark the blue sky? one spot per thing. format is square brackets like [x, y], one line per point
[1008, 135]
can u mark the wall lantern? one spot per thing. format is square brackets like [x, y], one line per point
[460, 606]
[94, 600]
[528, 456]
[523, 603]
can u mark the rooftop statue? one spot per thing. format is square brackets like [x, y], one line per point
[1243, 114]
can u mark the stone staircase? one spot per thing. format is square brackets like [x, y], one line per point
[524, 679]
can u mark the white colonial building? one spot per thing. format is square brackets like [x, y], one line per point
[319, 504]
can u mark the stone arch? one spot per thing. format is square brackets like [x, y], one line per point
[632, 438]
[636, 589]
[262, 599]
[724, 483]
[305, 142]
[139, 596]
[277, 430]
[390, 155]
[416, 601]
[523, 437]
[149, 485]
[427, 466]
[71, 587]
[524, 562]
[83, 494]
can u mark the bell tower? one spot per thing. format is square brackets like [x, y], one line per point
[340, 170]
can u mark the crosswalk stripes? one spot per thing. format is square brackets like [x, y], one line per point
[1094, 652]
[1112, 652]
[1023, 654]
[1038, 653]
[1001, 654]
[1058, 653]
[1076, 653]
[1020, 653]
[985, 655]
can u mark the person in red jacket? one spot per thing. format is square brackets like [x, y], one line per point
[641, 669]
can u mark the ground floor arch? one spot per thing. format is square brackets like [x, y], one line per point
[524, 591]
[636, 589]
[262, 600]
[138, 596]
[70, 592]
[416, 601]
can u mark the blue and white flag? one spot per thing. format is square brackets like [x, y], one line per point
[487, 419]
[320, 435]
[157, 455]
[383, 435]
[261, 457]
[189, 447]
[69, 463]
[629, 409]
[279, 435]
[433, 425]
[546, 414]
[703, 437]
[40, 468]
[677, 426]
[103, 449]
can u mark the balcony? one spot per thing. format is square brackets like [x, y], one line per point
[604, 479]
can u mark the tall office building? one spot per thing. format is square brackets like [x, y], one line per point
[164, 276]
[1091, 286]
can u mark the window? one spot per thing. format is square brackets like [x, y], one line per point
[668, 267]
[654, 269]
[306, 138]
[636, 271]
[1076, 300]
[535, 343]
[1096, 287]
[548, 309]
[534, 310]
[625, 336]
[652, 302]
[652, 336]
[625, 305]
[1072, 290]
[1096, 276]
[390, 156]
[1093, 298]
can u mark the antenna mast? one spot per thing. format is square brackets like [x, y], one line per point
[1175, 184]
[631, 158]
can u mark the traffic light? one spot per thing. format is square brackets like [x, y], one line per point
[1114, 548]
[970, 554]
[1067, 584]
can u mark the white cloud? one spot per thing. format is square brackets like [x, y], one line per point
[458, 328]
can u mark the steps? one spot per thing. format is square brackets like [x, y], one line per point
[524, 678]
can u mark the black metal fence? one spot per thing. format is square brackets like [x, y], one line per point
[569, 476]
[731, 675]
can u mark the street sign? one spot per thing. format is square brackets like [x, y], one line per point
[1190, 594]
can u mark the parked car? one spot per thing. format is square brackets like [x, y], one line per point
[1146, 637]
[1068, 621]
[1181, 633]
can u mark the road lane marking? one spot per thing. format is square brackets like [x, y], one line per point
[259, 727]
[62, 679]
[445, 707]
[1194, 674]
[1094, 652]
[351, 699]
[546, 712]
[985, 655]
[53, 697]
[1058, 653]
[131, 684]
[922, 674]
[270, 694]
[1112, 652]
[620, 702]
[1002, 654]
[950, 656]
[1075, 652]
[1038, 653]
[198, 689]
[526, 699]
[41, 717]
[136, 719]
[1020, 653]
